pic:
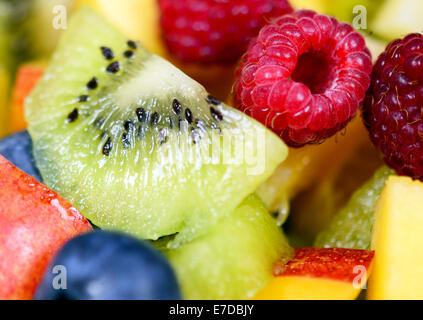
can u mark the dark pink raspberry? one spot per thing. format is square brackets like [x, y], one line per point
[207, 31]
[304, 77]
[393, 108]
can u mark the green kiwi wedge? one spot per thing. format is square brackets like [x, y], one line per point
[352, 226]
[234, 259]
[136, 144]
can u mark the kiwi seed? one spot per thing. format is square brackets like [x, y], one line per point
[129, 54]
[83, 98]
[188, 115]
[126, 140]
[128, 125]
[114, 67]
[72, 116]
[177, 106]
[141, 114]
[212, 100]
[155, 118]
[92, 84]
[170, 123]
[107, 53]
[216, 114]
[132, 44]
[108, 147]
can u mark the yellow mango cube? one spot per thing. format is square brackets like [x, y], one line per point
[397, 241]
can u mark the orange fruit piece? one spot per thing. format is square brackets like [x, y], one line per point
[26, 79]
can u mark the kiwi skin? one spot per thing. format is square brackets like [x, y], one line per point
[88, 152]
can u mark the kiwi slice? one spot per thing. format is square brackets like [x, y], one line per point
[234, 259]
[352, 226]
[136, 144]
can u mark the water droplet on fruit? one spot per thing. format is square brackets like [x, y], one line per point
[63, 212]
[282, 212]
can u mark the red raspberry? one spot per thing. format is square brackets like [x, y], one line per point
[393, 108]
[304, 77]
[215, 30]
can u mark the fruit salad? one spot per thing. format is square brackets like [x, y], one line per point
[211, 150]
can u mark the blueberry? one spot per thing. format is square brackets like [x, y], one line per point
[104, 265]
[17, 148]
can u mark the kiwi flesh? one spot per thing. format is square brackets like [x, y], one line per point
[234, 259]
[352, 226]
[136, 144]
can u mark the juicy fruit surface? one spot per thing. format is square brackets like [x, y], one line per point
[392, 108]
[34, 222]
[352, 226]
[142, 132]
[215, 31]
[304, 77]
[118, 266]
[397, 239]
[17, 149]
[234, 260]
[316, 273]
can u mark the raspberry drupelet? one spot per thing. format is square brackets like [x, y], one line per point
[215, 31]
[304, 77]
[393, 108]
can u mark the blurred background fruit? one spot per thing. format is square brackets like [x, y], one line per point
[45, 21]
[209, 31]
[347, 10]
[396, 18]
[7, 57]
[6, 60]
[4, 99]
[27, 77]
[316, 5]
[137, 19]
